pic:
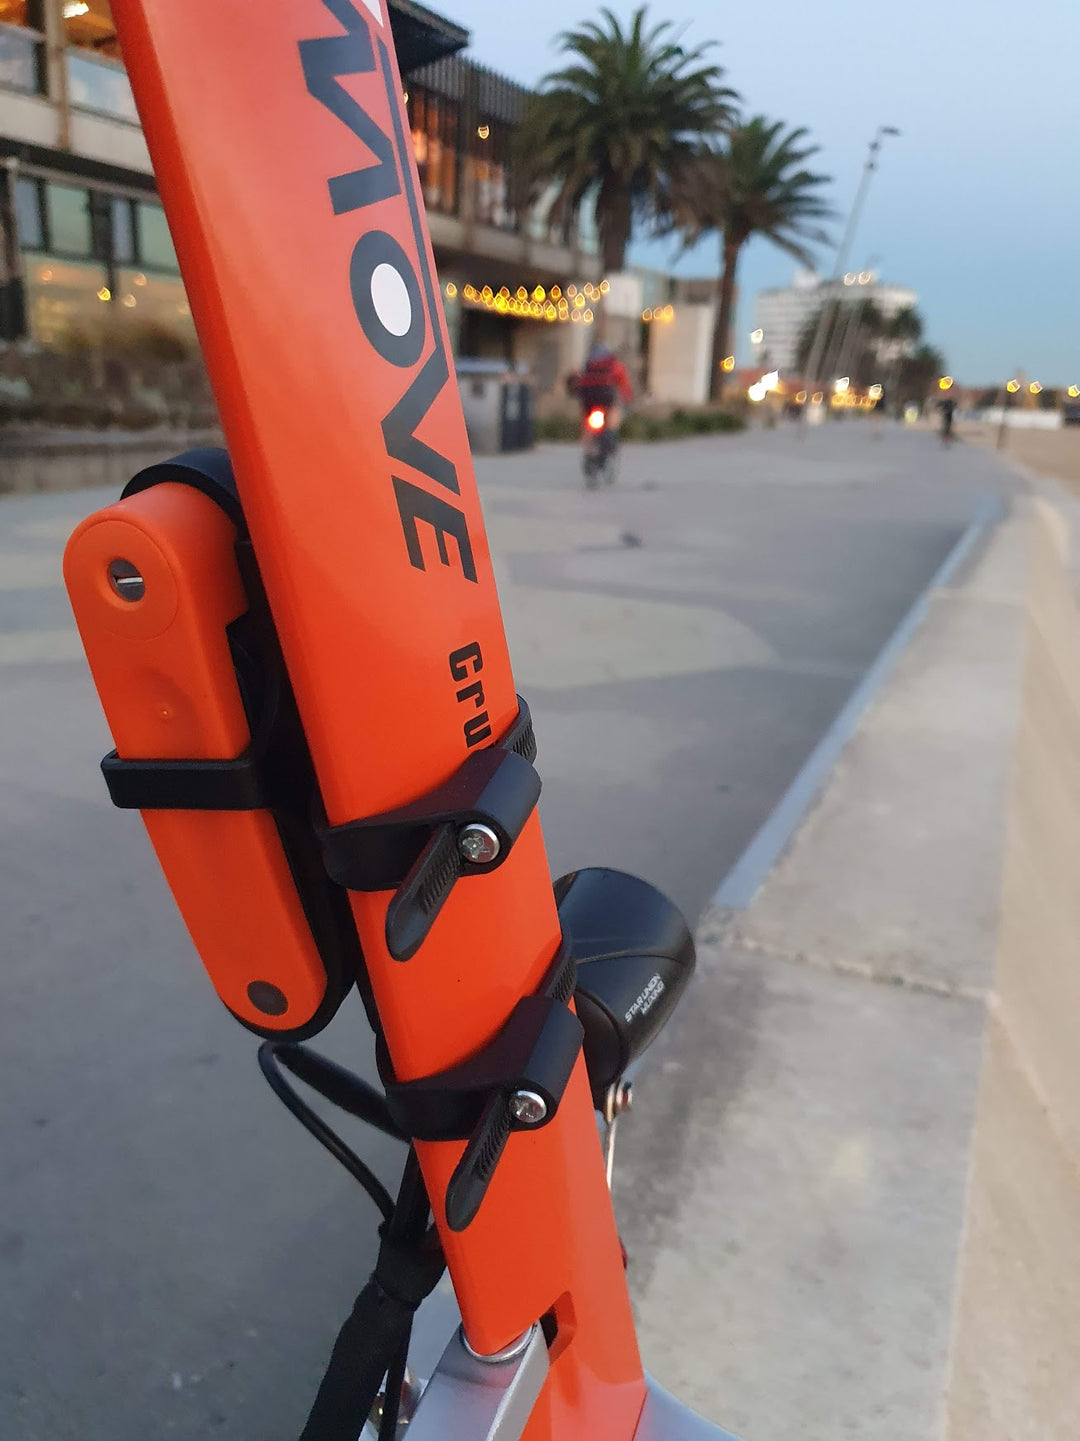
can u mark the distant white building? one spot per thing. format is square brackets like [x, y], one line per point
[781, 314]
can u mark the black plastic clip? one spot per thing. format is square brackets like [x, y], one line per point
[513, 1084]
[465, 828]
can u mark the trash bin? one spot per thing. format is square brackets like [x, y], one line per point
[498, 406]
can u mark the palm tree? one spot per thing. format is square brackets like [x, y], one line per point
[905, 327]
[853, 333]
[918, 372]
[624, 120]
[757, 185]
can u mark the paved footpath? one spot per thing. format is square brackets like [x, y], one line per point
[175, 1255]
[793, 1178]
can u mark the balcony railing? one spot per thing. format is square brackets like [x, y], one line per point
[21, 60]
[101, 86]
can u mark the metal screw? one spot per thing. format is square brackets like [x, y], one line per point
[126, 580]
[618, 1098]
[528, 1108]
[479, 844]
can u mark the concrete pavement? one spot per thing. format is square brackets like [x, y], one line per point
[877, 1073]
[177, 1255]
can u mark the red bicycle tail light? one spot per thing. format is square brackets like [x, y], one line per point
[597, 420]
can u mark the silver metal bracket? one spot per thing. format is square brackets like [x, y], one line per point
[481, 1399]
[665, 1419]
[472, 1398]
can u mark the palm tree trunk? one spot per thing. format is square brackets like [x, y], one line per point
[615, 221]
[725, 303]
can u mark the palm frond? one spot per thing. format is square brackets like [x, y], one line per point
[626, 117]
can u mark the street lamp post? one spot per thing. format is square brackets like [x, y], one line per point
[844, 250]
[1010, 389]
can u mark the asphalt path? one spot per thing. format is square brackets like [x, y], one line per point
[175, 1253]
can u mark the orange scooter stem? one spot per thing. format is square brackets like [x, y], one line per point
[281, 149]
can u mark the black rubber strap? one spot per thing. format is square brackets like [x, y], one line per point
[211, 785]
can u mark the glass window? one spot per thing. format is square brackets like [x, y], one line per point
[491, 195]
[28, 214]
[67, 300]
[100, 85]
[21, 12]
[89, 25]
[433, 120]
[154, 303]
[68, 211]
[20, 54]
[123, 230]
[155, 242]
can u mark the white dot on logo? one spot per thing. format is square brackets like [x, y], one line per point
[390, 297]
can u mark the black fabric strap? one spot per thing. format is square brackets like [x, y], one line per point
[377, 1331]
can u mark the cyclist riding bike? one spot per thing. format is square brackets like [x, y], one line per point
[947, 408]
[600, 387]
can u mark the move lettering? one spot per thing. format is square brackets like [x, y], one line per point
[395, 306]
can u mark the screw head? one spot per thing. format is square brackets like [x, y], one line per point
[126, 580]
[528, 1108]
[479, 844]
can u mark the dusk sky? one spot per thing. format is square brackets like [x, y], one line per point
[975, 206]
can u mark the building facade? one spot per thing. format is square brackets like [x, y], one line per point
[84, 248]
[782, 314]
[510, 275]
[85, 254]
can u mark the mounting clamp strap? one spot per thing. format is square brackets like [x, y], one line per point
[420, 851]
[207, 785]
[514, 1084]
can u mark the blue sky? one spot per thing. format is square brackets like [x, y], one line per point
[977, 205]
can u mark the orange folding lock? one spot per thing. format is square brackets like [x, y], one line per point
[207, 745]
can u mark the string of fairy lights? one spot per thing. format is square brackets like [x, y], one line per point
[553, 305]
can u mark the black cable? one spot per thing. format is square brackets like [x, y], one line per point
[340, 1087]
[312, 1122]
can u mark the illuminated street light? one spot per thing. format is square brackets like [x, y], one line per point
[815, 366]
[757, 336]
[728, 363]
[875, 392]
[842, 385]
[1074, 391]
[757, 392]
[1035, 388]
[800, 399]
[1013, 386]
[945, 383]
[771, 380]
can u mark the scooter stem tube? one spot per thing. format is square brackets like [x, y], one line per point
[282, 152]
